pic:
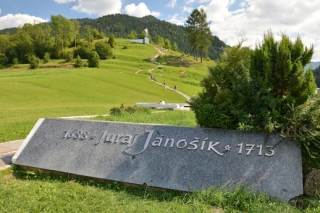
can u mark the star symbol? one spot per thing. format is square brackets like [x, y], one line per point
[227, 148]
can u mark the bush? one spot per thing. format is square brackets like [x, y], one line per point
[78, 63]
[117, 111]
[46, 58]
[94, 59]
[68, 56]
[104, 50]
[254, 90]
[304, 126]
[266, 89]
[15, 61]
[83, 52]
[34, 62]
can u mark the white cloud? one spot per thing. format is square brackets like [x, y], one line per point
[172, 3]
[17, 20]
[140, 10]
[254, 17]
[98, 7]
[64, 1]
[190, 1]
[0, 10]
[187, 9]
[176, 19]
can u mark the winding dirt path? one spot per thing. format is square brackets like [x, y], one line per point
[153, 59]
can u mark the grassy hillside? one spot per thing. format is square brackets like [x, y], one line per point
[56, 89]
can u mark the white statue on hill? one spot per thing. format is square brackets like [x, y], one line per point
[146, 32]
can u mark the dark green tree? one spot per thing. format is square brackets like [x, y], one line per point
[94, 59]
[198, 32]
[82, 51]
[104, 50]
[22, 45]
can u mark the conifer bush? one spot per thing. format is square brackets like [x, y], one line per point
[265, 89]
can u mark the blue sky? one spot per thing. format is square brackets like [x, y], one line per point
[231, 20]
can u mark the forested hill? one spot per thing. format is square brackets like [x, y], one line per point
[121, 25]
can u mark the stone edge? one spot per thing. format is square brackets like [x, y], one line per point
[28, 138]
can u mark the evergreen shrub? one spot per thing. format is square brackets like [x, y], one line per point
[265, 89]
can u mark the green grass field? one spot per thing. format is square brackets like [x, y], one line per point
[56, 90]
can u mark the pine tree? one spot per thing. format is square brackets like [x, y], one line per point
[198, 32]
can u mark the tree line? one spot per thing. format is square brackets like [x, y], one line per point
[17, 44]
[37, 41]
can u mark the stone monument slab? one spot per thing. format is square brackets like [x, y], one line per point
[171, 157]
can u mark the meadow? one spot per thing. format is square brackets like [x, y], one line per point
[58, 90]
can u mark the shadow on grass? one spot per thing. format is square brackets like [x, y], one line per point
[140, 191]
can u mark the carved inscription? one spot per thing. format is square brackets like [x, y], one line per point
[197, 143]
